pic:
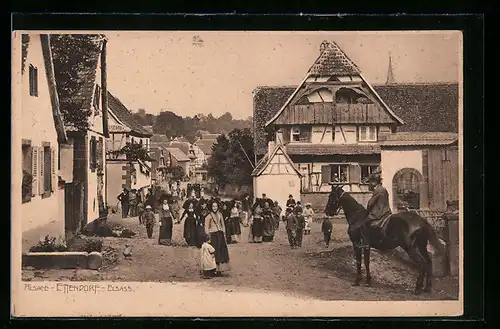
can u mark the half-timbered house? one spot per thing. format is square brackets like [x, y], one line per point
[124, 130]
[332, 123]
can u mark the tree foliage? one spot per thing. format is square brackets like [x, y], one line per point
[132, 152]
[72, 55]
[177, 172]
[228, 163]
[170, 124]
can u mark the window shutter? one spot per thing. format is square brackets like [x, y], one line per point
[326, 174]
[34, 170]
[100, 161]
[355, 173]
[54, 175]
[41, 181]
[93, 153]
[286, 135]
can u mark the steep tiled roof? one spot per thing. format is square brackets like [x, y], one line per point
[123, 114]
[183, 146]
[267, 101]
[177, 154]
[325, 149]
[209, 136]
[181, 139]
[156, 138]
[423, 107]
[86, 69]
[333, 61]
[419, 138]
[205, 145]
[260, 165]
[264, 162]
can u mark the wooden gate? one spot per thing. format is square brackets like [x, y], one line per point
[73, 208]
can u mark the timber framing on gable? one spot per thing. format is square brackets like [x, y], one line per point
[333, 64]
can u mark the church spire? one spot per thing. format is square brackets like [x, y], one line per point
[390, 73]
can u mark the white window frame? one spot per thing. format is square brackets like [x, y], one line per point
[369, 130]
[295, 131]
[370, 170]
[339, 165]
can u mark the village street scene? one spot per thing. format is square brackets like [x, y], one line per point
[324, 167]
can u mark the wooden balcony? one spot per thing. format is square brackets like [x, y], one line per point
[330, 113]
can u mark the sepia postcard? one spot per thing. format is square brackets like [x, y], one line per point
[237, 174]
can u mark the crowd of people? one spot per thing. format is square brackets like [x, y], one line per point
[212, 224]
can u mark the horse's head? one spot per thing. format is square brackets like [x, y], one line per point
[333, 203]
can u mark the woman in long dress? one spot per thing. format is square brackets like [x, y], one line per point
[215, 228]
[166, 224]
[235, 221]
[201, 214]
[268, 224]
[257, 224]
[226, 214]
[190, 229]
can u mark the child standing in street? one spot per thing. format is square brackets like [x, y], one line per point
[308, 216]
[207, 259]
[149, 219]
[326, 228]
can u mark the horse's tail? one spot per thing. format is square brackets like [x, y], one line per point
[434, 239]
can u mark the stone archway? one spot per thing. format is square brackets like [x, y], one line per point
[406, 189]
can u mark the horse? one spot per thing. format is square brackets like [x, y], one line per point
[407, 230]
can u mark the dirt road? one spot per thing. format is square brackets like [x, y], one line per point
[312, 272]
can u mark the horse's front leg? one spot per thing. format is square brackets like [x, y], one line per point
[366, 258]
[357, 255]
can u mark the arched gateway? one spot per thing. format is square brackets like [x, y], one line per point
[406, 189]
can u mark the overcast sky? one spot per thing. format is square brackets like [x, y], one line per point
[203, 72]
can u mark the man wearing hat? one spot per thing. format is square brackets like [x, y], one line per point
[149, 219]
[378, 207]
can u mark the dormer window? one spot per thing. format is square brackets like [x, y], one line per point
[295, 134]
[320, 96]
[368, 133]
[33, 81]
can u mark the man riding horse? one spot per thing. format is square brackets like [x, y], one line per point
[378, 209]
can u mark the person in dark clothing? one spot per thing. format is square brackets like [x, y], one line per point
[245, 209]
[132, 196]
[291, 227]
[201, 213]
[166, 223]
[290, 202]
[149, 218]
[226, 216]
[269, 226]
[124, 200]
[150, 199]
[326, 228]
[277, 214]
[301, 224]
[190, 225]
